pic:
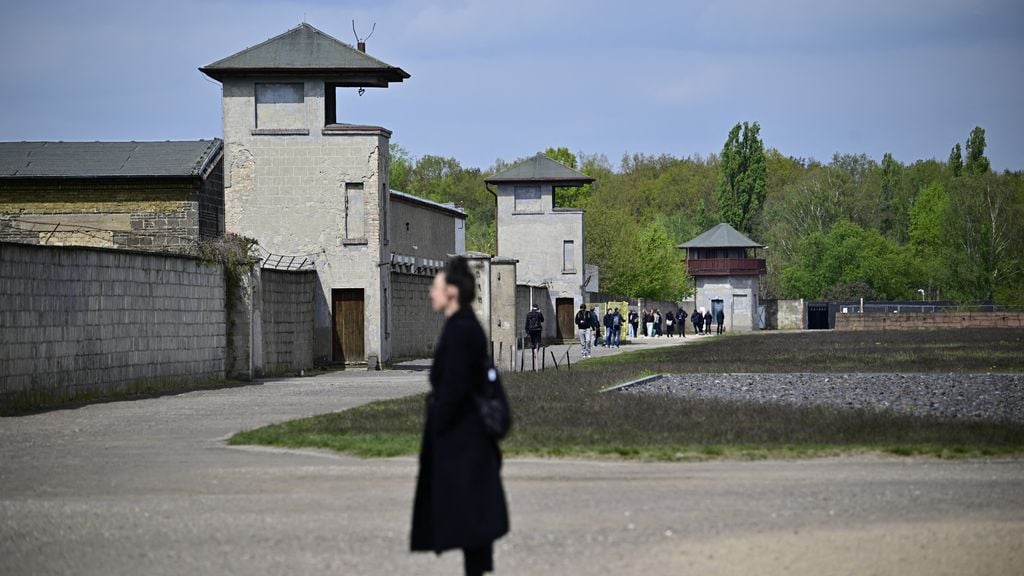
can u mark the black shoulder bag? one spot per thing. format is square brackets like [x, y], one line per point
[492, 404]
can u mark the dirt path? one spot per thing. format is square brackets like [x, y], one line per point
[149, 487]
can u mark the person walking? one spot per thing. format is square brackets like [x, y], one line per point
[698, 321]
[657, 323]
[649, 323]
[460, 501]
[634, 323]
[707, 322]
[720, 320]
[585, 329]
[616, 331]
[607, 321]
[681, 321]
[534, 327]
[595, 323]
[670, 324]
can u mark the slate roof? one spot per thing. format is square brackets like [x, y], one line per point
[449, 208]
[721, 236]
[540, 168]
[303, 49]
[177, 159]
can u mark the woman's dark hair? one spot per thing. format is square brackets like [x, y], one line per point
[457, 273]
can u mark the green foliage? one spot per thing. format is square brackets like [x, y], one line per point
[743, 183]
[956, 160]
[568, 197]
[957, 237]
[976, 162]
[847, 255]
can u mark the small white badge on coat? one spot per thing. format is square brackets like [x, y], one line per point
[492, 375]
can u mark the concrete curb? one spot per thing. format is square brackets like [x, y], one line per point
[643, 380]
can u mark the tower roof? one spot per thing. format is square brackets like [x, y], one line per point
[540, 168]
[307, 50]
[721, 236]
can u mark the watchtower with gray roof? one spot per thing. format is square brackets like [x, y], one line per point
[304, 179]
[727, 271]
[547, 241]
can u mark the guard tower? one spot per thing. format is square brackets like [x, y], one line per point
[304, 180]
[727, 271]
[547, 241]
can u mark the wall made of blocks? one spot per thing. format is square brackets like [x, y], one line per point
[77, 323]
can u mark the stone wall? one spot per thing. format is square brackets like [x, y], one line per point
[140, 214]
[914, 321]
[415, 327]
[286, 320]
[84, 322]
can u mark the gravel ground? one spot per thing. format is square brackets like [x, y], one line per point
[997, 397]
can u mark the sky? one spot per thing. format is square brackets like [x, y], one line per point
[505, 80]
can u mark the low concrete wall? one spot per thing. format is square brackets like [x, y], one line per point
[415, 327]
[85, 322]
[912, 321]
[286, 319]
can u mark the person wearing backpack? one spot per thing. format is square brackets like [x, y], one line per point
[460, 501]
[595, 323]
[585, 328]
[616, 330]
[670, 323]
[681, 321]
[534, 326]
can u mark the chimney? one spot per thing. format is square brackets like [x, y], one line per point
[361, 46]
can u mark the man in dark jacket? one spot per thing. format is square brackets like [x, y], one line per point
[584, 325]
[534, 326]
[607, 321]
[707, 322]
[720, 320]
[698, 321]
[595, 323]
[681, 321]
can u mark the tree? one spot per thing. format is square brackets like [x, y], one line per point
[847, 256]
[956, 160]
[976, 162]
[649, 266]
[743, 180]
[889, 212]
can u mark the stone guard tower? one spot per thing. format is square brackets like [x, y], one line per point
[727, 271]
[303, 182]
[547, 241]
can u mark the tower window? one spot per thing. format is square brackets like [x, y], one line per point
[568, 256]
[355, 211]
[528, 199]
[280, 106]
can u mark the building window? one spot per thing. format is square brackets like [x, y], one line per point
[528, 199]
[568, 256]
[355, 211]
[280, 106]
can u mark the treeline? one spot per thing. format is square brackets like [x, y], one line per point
[846, 229]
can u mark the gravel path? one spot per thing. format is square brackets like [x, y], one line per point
[998, 397]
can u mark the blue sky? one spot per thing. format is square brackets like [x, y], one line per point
[506, 79]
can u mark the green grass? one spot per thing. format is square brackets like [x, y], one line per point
[560, 414]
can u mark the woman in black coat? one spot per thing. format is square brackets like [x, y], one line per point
[460, 502]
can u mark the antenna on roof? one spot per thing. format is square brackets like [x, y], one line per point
[361, 42]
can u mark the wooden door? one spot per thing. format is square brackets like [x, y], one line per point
[349, 314]
[565, 326]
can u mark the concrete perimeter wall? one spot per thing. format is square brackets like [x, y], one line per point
[912, 321]
[82, 322]
[415, 327]
[287, 320]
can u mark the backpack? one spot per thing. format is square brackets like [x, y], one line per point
[532, 323]
[492, 404]
[616, 320]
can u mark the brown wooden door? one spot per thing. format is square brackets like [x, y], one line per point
[349, 316]
[565, 326]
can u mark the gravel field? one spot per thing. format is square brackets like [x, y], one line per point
[995, 397]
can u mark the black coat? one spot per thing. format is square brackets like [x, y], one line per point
[460, 502]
